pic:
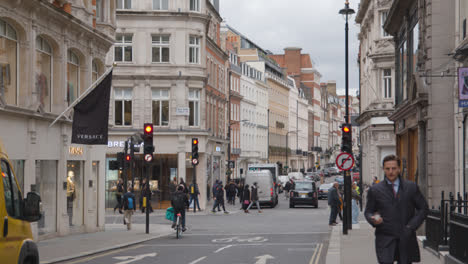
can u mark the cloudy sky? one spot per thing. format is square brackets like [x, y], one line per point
[313, 25]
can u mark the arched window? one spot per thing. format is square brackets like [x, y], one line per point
[43, 73]
[73, 77]
[8, 64]
[95, 71]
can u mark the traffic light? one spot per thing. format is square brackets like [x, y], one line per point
[148, 147]
[346, 138]
[120, 160]
[195, 151]
[128, 158]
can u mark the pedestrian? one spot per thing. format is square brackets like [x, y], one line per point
[219, 198]
[215, 190]
[246, 198]
[240, 194]
[145, 192]
[179, 202]
[254, 197]
[355, 200]
[334, 203]
[396, 208]
[129, 206]
[287, 188]
[375, 181]
[118, 196]
[233, 192]
[194, 193]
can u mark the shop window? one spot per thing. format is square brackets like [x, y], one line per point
[11, 191]
[46, 186]
[195, 5]
[8, 64]
[387, 83]
[194, 50]
[160, 107]
[194, 105]
[160, 4]
[160, 48]
[73, 77]
[74, 184]
[123, 107]
[44, 73]
[123, 51]
[124, 4]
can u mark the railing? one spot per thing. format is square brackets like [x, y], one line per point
[458, 248]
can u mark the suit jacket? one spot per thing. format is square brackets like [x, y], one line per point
[402, 216]
[333, 197]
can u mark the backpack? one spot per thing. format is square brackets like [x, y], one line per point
[179, 200]
[130, 203]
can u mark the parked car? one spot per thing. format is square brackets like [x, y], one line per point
[323, 190]
[333, 170]
[304, 193]
[16, 242]
[266, 187]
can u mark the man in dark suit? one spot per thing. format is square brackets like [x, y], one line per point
[334, 203]
[396, 208]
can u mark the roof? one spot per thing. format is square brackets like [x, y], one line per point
[279, 59]
[306, 62]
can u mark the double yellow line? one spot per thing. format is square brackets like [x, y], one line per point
[316, 256]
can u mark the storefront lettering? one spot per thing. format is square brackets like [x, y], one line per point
[119, 144]
[75, 151]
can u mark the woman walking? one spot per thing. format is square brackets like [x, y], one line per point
[246, 198]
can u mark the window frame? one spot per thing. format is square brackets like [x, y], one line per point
[160, 98]
[196, 100]
[197, 47]
[123, 99]
[161, 45]
[196, 6]
[386, 84]
[160, 5]
[123, 4]
[51, 54]
[74, 60]
[10, 33]
[99, 10]
[123, 44]
[383, 18]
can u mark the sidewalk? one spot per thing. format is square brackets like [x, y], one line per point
[116, 236]
[358, 246]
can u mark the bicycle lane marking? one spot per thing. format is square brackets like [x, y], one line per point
[219, 250]
[198, 260]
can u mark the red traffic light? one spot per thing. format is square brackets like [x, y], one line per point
[346, 129]
[128, 157]
[148, 128]
[195, 141]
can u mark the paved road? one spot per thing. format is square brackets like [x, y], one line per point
[279, 235]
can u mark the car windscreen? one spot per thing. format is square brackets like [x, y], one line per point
[304, 186]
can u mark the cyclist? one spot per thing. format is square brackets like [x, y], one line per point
[179, 201]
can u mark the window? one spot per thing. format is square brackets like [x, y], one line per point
[387, 83]
[123, 107]
[11, 191]
[123, 48]
[414, 57]
[160, 4]
[194, 105]
[95, 71]
[195, 5]
[43, 73]
[99, 11]
[383, 18]
[73, 76]
[403, 69]
[194, 50]
[160, 48]
[124, 4]
[160, 107]
[8, 63]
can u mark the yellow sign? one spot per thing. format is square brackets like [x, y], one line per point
[75, 151]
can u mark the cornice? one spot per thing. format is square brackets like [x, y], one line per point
[408, 107]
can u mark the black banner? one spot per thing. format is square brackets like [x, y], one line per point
[91, 115]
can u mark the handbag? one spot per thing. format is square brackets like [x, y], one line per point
[246, 202]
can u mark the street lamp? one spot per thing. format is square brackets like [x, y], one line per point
[347, 13]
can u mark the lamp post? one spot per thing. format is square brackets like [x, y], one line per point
[347, 224]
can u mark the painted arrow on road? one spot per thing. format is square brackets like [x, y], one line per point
[130, 259]
[263, 259]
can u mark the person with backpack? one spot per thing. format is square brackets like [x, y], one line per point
[194, 193]
[233, 191]
[219, 198]
[179, 201]
[129, 207]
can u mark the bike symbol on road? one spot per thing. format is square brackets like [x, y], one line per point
[130, 259]
[258, 239]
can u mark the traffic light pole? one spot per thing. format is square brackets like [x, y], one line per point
[124, 171]
[194, 182]
[148, 190]
[132, 162]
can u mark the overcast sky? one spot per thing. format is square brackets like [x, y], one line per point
[313, 25]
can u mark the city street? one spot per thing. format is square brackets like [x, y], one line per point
[279, 235]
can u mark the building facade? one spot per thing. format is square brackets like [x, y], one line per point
[377, 92]
[50, 53]
[170, 72]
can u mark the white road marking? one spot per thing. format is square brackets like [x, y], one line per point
[198, 260]
[130, 259]
[247, 244]
[256, 234]
[263, 259]
[219, 250]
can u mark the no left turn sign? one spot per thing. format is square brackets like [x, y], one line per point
[345, 161]
[148, 157]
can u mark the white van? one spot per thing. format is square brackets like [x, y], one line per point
[266, 186]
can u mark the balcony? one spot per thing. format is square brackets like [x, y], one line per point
[317, 149]
[298, 151]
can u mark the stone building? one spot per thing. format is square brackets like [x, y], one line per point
[50, 53]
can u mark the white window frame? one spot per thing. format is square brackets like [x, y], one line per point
[45, 48]
[99, 10]
[196, 46]
[161, 44]
[161, 95]
[161, 2]
[194, 5]
[124, 4]
[194, 96]
[386, 84]
[73, 59]
[124, 43]
[383, 18]
[121, 95]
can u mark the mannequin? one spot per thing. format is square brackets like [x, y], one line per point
[70, 195]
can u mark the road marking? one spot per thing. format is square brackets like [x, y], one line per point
[258, 239]
[104, 254]
[300, 249]
[315, 254]
[130, 259]
[257, 234]
[319, 253]
[198, 260]
[244, 244]
[263, 259]
[219, 250]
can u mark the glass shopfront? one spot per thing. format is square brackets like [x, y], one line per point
[46, 186]
[74, 186]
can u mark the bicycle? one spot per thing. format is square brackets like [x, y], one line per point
[178, 227]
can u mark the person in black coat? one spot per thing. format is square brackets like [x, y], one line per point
[246, 198]
[334, 203]
[396, 208]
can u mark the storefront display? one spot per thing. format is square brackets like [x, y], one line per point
[74, 194]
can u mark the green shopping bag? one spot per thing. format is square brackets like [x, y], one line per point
[170, 214]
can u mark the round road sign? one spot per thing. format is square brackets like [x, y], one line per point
[148, 157]
[195, 161]
[345, 161]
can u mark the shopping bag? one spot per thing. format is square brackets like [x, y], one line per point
[170, 214]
